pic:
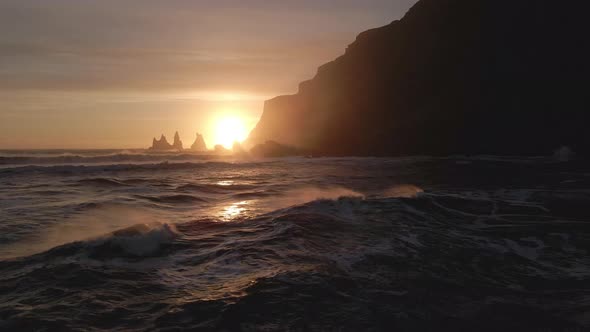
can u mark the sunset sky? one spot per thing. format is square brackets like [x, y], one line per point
[114, 74]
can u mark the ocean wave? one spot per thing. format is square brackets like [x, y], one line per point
[214, 188]
[118, 157]
[295, 245]
[125, 167]
[326, 258]
[173, 199]
[102, 182]
[252, 195]
[140, 240]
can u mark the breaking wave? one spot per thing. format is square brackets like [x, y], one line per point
[141, 240]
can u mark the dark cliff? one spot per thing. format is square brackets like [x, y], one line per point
[452, 76]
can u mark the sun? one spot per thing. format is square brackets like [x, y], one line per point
[229, 130]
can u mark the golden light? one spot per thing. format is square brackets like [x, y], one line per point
[233, 211]
[229, 130]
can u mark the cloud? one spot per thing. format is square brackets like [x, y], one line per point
[155, 45]
[271, 67]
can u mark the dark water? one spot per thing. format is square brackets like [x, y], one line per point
[127, 241]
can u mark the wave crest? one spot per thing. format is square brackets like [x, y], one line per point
[138, 240]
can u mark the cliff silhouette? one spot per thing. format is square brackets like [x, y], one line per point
[450, 77]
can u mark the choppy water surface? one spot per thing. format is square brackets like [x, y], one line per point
[131, 241]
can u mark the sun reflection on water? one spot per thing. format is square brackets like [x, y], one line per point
[233, 211]
[225, 183]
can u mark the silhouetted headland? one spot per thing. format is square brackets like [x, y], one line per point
[451, 77]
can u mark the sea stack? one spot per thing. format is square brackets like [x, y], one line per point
[199, 144]
[161, 144]
[177, 145]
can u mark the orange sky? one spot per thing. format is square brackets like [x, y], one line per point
[114, 74]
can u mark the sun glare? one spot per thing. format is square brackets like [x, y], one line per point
[229, 130]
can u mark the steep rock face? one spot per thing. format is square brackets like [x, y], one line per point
[199, 144]
[453, 76]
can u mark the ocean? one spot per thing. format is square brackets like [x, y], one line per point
[132, 241]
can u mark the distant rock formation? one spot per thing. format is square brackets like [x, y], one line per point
[161, 144]
[177, 145]
[199, 144]
[451, 77]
